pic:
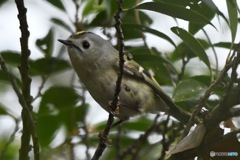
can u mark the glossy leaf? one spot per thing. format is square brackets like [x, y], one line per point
[174, 10]
[3, 110]
[57, 3]
[233, 17]
[188, 90]
[101, 20]
[3, 77]
[59, 96]
[141, 28]
[46, 66]
[206, 8]
[192, 43]
[161, 67]
[47, 127]
[142, 124]
[11, 57]
[92, 7]
[46, 44]
[2, 2]
[100, 2]
[205, 79]
[226, 45]
[129, 17]
[56, 105]
[62, 24]
[183, 50]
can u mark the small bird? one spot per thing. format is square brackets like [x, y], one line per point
[96, 63]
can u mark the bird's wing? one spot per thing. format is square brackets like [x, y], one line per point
[133, 69]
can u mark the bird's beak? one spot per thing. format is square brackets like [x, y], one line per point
[69, 44]
[66, 42]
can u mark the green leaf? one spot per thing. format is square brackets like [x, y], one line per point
[205, 79]
[174, 10]
[47, 127]
[46, 66]
[57, 3]
[72, 115]
[157, 65]
[141, 28]
[141, 124]
[206, 8]
[226, 45]
[11, 57]
[3, 77]
[193, 44]
[59, 97]
[2, 2]
[161, 67]
[92, 7]
[129, 17]
[46, 44]
[233, 17]
[101, 20]
[105, 13]
[188, 90]
[57, 108]
[62, 24]
[3, 110]
[100, 2]
[183, 50]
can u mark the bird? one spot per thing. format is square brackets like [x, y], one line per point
[96, 62]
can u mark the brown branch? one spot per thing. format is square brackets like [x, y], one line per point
[223, 110]
[26, 100]
[206, 96]
[104, 135]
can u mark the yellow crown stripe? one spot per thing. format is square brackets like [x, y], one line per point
[80, 32]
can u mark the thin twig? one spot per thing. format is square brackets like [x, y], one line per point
[164, 139]
[76, 16]
[39, 94]
[19, 94]
[185, 60]
[135, 147]
[104, 135]
[205, 97]
[231, 98]
[11, 139]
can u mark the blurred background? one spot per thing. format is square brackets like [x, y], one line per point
[67, 118]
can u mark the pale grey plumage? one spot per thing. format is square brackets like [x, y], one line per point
[95, 61]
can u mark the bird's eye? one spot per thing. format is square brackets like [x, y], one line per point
[85, 44]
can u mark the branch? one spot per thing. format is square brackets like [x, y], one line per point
[26, 98]
[11, 139]
[231, 98]
[135, 147]
[104, 135]
[206, 96]
[76, 23]
[13, 81]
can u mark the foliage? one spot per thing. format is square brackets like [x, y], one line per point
[197, 82]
